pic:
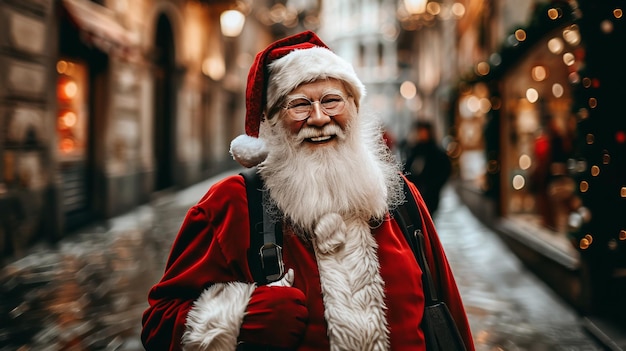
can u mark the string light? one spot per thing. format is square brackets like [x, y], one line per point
[584, 186]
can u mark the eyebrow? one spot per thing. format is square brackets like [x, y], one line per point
[326, 92]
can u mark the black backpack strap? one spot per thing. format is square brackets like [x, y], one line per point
[408, 216]
[265, 253]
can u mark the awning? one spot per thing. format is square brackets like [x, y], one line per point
[100, 26]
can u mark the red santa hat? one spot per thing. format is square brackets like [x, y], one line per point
[275, 72]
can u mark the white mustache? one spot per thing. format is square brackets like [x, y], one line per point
[328, 130]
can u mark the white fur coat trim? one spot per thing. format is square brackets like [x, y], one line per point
[352, 286]
[214, 321]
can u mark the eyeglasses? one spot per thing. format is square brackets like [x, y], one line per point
[300, 108]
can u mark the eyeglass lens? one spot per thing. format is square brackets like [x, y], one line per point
[301, 108]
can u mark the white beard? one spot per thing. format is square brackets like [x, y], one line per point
[330, 195]
[357, 178]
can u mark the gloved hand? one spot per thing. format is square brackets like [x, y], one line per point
[276, 315]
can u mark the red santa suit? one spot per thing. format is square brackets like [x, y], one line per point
[208, 272]
[358, 288]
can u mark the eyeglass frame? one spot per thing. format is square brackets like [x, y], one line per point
[289, 100]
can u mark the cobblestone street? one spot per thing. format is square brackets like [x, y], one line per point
[88, 293]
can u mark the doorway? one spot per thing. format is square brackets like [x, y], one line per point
[164, 104]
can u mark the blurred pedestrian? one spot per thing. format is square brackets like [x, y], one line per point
[351, 282]
[427, 165]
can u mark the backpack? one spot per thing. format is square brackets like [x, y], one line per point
[266, 237]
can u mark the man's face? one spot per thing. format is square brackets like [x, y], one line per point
[323, 95]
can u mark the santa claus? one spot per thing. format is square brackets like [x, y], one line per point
[352, 281]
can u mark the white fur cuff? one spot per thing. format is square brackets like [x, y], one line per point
[247, 150]
[214, 321]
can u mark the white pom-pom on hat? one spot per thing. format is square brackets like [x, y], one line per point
[248, 151]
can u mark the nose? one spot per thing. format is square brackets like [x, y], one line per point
[318, 117]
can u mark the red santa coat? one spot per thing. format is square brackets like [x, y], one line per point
[207, 273]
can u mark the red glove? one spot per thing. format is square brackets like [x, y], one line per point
[276, 316]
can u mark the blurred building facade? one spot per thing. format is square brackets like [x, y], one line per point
[405, 55]
[104, 104]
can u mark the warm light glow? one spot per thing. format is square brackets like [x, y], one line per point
[595, 171]
[61, 67]
[618, 13]
[433, 8]
[554, 13]
[539, 73]
[408, 90]
[485, 105]
[520, 35]
[532, 95]
[231, 23]
[606, 26]
[622, 234]
[585, 214]
[525, 162]
[458, 9]
[584, 244]
[569, 59]
[473, 104]
[518, 182]
[572, 35]
[482, 68]
[415, 7]
[67, 89]
[466, 106]
[593, 102]
[606, 158]
[557, 90]
[214, 68]
[556, 45]
[622, 192]
[66, 145]
[584, 186]
[68, 119]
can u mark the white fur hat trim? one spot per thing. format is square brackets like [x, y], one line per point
[307, 65]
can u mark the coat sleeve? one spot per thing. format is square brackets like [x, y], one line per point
[199, 302]
[442, 273]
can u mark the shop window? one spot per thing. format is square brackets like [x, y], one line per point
[538, 131]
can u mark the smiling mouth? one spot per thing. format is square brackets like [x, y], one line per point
[320, 139]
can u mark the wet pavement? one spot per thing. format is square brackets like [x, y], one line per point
[509, 308]
[89, 292]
